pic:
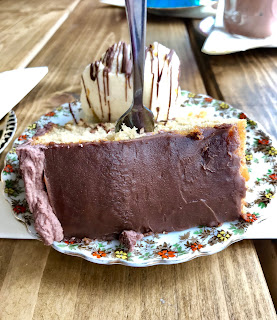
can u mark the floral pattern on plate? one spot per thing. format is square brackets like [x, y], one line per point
[172, 247]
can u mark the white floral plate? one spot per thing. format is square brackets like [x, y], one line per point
[173, 247]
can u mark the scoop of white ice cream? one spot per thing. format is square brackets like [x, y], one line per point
[107, 84]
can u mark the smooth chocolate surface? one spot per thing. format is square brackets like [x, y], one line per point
[163, 182]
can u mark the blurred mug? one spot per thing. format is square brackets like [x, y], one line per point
[251, 18]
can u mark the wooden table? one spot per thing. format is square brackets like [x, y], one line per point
[37, 282]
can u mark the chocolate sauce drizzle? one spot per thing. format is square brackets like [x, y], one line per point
[150, 50]
[170, 55]
[153, 77]
[126, 68]
[93, 71]
[169, 103]
[72, 113]
[124, 58]
[107, 60]
[167, 58]
[102, 125]
[94, 67]
[158, 111]
[85, 89]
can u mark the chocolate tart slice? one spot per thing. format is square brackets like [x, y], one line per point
[90, 182]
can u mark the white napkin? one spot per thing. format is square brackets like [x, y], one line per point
[15, 84]
[221, 42]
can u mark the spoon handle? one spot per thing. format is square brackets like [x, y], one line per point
[136, 15]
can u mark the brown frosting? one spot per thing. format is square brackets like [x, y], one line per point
[157, 183]
[32, 161]
[251, 18]
[129, 238]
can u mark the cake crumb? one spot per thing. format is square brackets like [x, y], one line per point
[129, 239]
[87, 241]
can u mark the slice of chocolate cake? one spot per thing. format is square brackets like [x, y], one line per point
[91, 182]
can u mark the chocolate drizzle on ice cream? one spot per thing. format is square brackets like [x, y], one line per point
[111, 76]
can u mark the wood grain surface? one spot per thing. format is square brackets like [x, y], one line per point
[26, 27]
[267, 253]
[37, 282]
[34, 5]
[227, 285]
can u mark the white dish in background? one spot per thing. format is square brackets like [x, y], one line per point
[174, 247]
[206, 8]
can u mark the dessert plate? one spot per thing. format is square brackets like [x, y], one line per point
[9, 131]
[173, 247]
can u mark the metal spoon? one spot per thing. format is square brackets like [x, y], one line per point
[137, 115]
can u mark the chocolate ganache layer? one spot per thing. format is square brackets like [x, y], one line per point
[163, 182]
